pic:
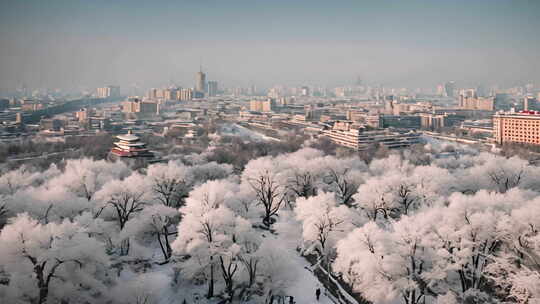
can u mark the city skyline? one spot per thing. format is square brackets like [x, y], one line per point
[269, 151]
[239, 43]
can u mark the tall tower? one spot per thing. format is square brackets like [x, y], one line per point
[200, 84]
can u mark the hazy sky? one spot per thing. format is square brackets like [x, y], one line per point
[49, 43]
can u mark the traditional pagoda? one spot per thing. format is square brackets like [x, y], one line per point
[130, 146]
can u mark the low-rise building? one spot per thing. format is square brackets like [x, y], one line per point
[348, 134]
[50, 124]
[400, 121]
[478, 127]
[388, 138]
[139, 106]
[31, 105]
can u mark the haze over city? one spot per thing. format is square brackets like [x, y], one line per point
[269, 152]
[73, 44]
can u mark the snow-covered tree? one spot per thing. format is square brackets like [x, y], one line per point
[209, 171]
[388, 266]
[170, 183]
[469, 236]
[302, 184]
[120, 201]
[84, 177]
[155, 226]
[270, 195]
[49, 263]
[344, 185]
[24, 177]
[436, 225]
[378, 197]
[324, 221]
[206, 233]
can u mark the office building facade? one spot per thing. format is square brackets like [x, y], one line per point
[521, 127]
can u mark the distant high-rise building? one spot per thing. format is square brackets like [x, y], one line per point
[102, 93]
[503, 101]
[252, 90]
[186, 94]
[341, 92]
[19, 118]
[136, 105]
[83, 114]
[108, 91]
[450, 87]
[471, 102]
[468, 93]
[31, 105]
[200, 82]
[198, 94]
[530, 103]
[153, 93]
[114, 91]
[4, 104]
[431, 121]
[267, 105]
[283, 101]
[255, 105]
[237, 91]
[169, 94]
[212, 88]
[481, 91]
[178, 93]
[274, 93]
[440, 90]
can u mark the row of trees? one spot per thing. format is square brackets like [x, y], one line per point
[440, 228]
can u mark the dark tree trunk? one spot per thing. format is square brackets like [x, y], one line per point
[211, 282]
[43, 294]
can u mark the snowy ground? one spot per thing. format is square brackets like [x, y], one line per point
[237, 130]
[304, 288]
[441, 143]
